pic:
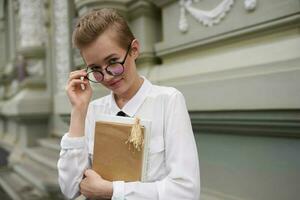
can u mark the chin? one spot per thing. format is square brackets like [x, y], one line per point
[119, 91]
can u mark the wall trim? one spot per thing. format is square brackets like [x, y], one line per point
[162, 3]
[163, 49]
[210, 194]
[279, 123]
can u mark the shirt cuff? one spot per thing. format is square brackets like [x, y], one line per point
[118, 190]
[72, 142]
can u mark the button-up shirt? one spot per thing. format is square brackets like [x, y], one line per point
[173, 166]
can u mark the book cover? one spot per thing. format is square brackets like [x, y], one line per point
[115, 159]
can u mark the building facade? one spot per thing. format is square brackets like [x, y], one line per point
[236, 62]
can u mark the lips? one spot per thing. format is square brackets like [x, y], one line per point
[114, 83]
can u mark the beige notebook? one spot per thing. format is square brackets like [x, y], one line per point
[114, 158]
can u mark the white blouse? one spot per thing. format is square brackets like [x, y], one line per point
[173, 166]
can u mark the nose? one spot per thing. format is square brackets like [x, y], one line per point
[107, 77]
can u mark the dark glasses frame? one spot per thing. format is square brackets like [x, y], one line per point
[107, 67]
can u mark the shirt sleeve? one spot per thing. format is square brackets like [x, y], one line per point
[73, 161]
[183, 178]
[73, 153]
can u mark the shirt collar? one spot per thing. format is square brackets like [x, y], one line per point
[132, 106]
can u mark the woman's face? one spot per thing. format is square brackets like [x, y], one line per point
[105, 50]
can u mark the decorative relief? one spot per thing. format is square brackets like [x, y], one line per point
[208, 17]
[250, 5]
[62, 44]
[32, 31]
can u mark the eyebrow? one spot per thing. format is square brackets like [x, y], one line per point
[105, 60]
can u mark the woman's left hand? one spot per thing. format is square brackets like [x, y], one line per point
[93, 186]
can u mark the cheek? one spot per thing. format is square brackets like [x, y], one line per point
[130, 68]
[127, 71]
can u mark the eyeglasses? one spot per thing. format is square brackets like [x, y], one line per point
[114, 69]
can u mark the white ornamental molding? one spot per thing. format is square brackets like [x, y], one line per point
[208, 17]
[32, 30]
[250, 5]
[62, 44]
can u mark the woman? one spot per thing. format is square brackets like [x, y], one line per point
[109, 50]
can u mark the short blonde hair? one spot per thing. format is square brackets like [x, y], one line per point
[94, 23]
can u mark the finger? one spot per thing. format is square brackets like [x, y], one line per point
[75, 83]
[86, 173]
[77, 74]
[90, 172]
[75, 71]
[88, 84]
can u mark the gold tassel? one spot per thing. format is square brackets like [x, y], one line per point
[136, 136]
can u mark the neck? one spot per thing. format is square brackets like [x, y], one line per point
[122, 99]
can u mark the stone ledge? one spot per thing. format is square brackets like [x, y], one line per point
[162, 3]
[33, 52]
[44, 156]
[139, 8]
[282, 123]
[50, 143]
[84, 6]
[17, 188]
[27, 102]
[41, 177]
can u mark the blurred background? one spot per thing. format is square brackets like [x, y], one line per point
[236, 62]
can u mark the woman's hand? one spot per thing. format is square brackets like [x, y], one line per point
[79, 90]
[93, 186]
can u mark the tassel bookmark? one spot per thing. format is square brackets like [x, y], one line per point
[136, 136]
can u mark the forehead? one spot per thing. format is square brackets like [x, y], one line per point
[105, 45]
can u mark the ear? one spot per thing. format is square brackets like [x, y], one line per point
[135, 48]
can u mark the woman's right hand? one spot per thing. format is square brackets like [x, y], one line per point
[79, 90]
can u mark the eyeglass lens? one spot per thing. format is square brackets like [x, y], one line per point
[113, 70]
